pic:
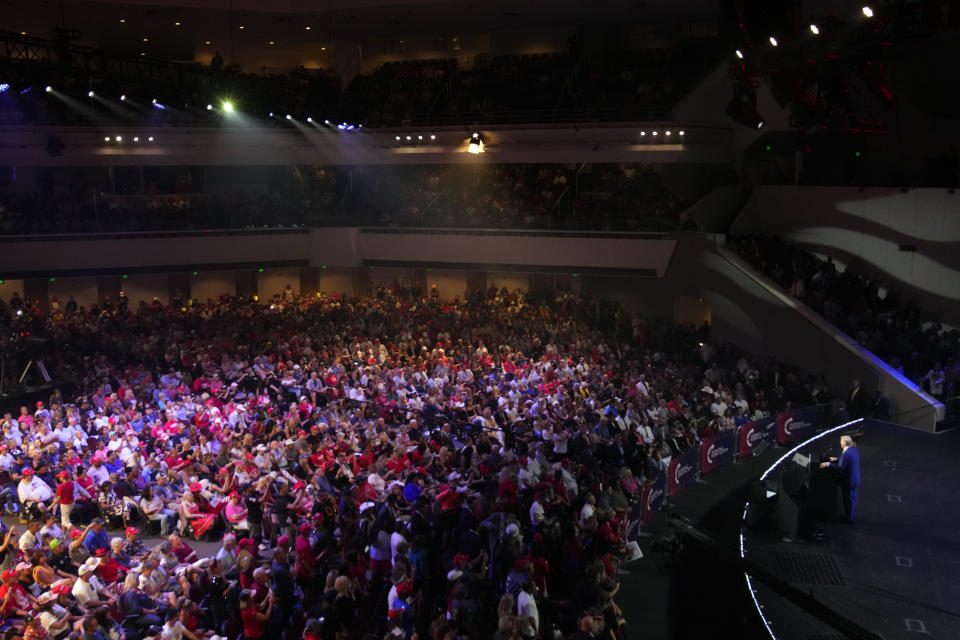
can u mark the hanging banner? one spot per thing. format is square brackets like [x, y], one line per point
[717, 451]
[683, 469]
[752, 434]
[654, 496]
[797, 424]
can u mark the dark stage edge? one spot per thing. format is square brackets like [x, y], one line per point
[896, 571]
[696, 593]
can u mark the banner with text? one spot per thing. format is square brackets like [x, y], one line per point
[654, 496]
[683, 469]
[797, 424]
[717, 450]
[752, 434]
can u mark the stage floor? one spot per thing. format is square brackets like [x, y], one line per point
[894, 571]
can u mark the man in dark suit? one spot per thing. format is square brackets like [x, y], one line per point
[857, 402]
[849, 466]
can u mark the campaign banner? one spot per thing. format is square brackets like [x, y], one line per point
[683, 469]
[635, 521]
[753, 433]
[717, 451]
[654, 496]
[797, 424]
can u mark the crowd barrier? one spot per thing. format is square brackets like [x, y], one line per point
[717, 451]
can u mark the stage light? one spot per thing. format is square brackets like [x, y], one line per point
[119, 138]
[867, 11]
[433, 137]
[814, 29]
[154, 101]
[209, 107]
[667, 132]
[773, 41]
[350, 127]
[409, 138]
[760, 124]
[681, 132]
[289, 117]
[271, 114]
[655, 133]
[157, 105]
[643, 134]
[341, 126]
[739, 54]
[123, 98]
[476, 143]
[150, 139]
[307, 28]
[122, 20]
[398, 138]
[136, 138]
[176, 24]
[106, 139]
[49, 89]
[4, 86]
[227, 106]
[419, 137]
[326, 122]
[309, 119]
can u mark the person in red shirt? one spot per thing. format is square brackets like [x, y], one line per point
[14, 599]
[65, 498]
[254, 618]
[108, 569]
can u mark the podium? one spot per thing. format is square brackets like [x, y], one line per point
[825, 500]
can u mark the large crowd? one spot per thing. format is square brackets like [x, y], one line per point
[912, 341]
[561, 86]
[382, 466]
[607, 196]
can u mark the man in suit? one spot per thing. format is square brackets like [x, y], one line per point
[849, 467]
[857, 402]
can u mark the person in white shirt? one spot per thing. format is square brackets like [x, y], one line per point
[97, 472]
[529, 614]
[33, 491]
[30, 540]
[87, 589]
[588, 510]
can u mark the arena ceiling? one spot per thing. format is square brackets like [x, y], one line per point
[96, 19]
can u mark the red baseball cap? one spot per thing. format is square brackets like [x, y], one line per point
[132, 531]
[27, 471]
[63, 474]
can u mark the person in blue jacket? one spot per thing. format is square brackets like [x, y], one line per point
[849, 467]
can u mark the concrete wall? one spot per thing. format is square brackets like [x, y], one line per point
[84, 290]
[492, 250]
[511, 281]
[210, 285]
[42, 258]
[337, 280]
[274, 281]
[450, 283]
[9, 287]
[869, 230]
[144, 287]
